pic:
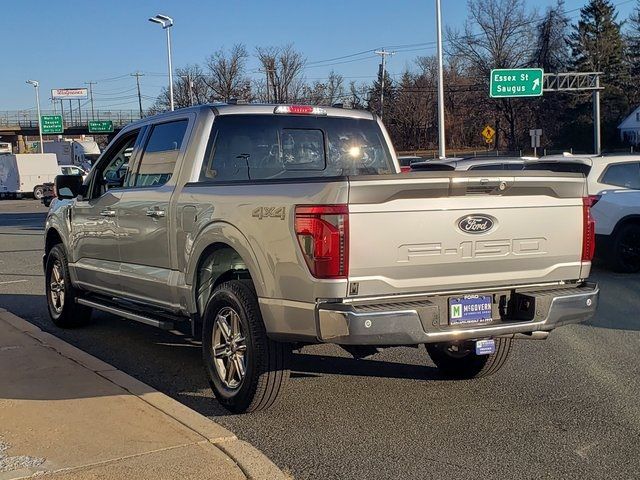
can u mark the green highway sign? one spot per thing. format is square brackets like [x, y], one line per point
[51, 124]
[516, 82]
[101, 126]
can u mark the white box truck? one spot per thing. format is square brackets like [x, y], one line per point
[74, 152]
[25, 173]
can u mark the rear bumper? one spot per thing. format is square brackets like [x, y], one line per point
[421, 321]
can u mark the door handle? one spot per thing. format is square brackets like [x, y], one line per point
[155, 213]
[108, 213]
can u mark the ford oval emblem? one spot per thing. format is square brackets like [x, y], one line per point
[475, 224]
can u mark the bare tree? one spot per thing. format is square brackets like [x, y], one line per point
[497, 34]
[227, 74]
[324, 93]
[551, 51]
[189, 88]
[283, 68]
[358, 96]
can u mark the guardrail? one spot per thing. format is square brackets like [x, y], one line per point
[29, 118]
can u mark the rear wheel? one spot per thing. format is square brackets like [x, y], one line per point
[247, 371]
[38, 192]
[459, 359]
[61, 296]
[625, 249]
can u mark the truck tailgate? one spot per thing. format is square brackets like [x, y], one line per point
[433, 232]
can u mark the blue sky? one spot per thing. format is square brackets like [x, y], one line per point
[66, 43]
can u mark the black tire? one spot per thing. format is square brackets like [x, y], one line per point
[464, 363]
[265, 362]
[38, 192]
[624, 254]
[61, 296]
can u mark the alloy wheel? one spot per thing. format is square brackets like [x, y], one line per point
[229, 348]
[56, 287]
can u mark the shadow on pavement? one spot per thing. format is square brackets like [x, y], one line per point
[27, 221]
[305, 366]
[619, 301]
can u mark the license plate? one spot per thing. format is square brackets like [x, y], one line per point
[470, 309]
[485, 347]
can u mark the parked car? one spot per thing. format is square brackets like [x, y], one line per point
[405, 161]
[615, 183]
[48, 194]
[470, 163]
[268, 227]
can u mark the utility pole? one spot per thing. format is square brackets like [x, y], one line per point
[190, 85]
[441, 136]
[383, 54]
[91, 84]
[138, 75]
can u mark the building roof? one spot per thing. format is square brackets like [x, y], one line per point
[632, 121]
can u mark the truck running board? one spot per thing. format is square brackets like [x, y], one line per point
[122, 312]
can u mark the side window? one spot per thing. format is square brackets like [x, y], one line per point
[242, 150]
[160, 154]
[113, 168]
[623, 175]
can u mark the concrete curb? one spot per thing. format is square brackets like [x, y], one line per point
[253, 463]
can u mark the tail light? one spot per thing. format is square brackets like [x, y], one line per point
[323, 235]
[588, 228]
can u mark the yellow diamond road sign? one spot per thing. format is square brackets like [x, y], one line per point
[488, 133]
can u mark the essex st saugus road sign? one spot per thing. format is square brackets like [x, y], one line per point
[516, 82]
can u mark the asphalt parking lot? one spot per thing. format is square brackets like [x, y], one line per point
[567, 407]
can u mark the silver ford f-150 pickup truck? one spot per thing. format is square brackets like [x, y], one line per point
[270, 227]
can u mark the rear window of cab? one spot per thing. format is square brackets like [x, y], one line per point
[267, 147]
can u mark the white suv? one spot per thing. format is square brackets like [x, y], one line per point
[615, 183]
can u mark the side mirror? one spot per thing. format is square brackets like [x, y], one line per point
[68, 186]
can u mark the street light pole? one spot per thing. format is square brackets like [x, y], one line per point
[167, 23]
[36, 85]
[441, 134]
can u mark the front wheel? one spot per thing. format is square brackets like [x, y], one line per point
[459, 360]
[61, 296]
[247, 371]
